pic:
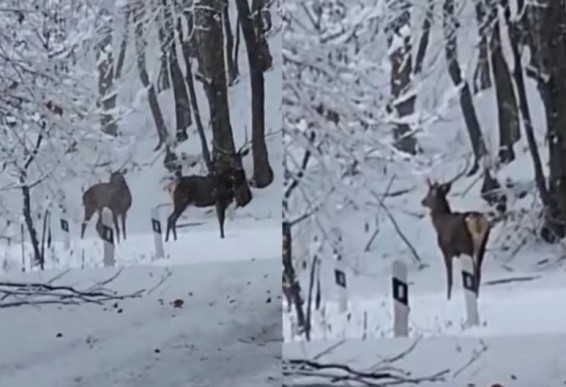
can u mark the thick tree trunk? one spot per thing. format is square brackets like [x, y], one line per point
[208, 22]
[182, 105]
[138, 10]
[551, 41]
[263, 174]
[508, 112]
[105, 60]
[466, 101]
[263, 48]
[482, 79]
[401, 69]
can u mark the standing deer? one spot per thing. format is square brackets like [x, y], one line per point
[219, 188]
[115, 195]
[458, 232]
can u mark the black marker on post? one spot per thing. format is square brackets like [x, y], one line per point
[400, 292]
[342, 290]
[65, 231]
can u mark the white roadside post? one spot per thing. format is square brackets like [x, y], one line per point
[108, 238]
[157, 232]
[470, 294]
[400, 291]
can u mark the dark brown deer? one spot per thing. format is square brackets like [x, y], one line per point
[115, 195]
[218, 188]
[458, 232]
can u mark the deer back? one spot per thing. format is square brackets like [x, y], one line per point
[200, 191]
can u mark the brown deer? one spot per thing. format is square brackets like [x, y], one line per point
[458, 232]
[218, 188]
[115, 195]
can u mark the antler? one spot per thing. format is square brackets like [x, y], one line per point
[462, 171]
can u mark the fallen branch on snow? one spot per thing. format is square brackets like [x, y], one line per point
[14, 294]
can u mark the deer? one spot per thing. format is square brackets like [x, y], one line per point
[115, 195]
[458, 233]
[219, 188]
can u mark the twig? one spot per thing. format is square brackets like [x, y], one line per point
[475, 356]
[397, 228]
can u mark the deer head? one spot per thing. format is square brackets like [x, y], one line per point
[435, 199]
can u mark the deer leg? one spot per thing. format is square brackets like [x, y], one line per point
[89, 212]
[115, 219]
[221, 214]
[171, 221]
[124, 225]
[448, 262]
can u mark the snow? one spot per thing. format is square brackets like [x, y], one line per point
[226, 331]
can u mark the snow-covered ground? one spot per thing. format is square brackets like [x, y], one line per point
[228, 330]
[374, 216]
[509, 360]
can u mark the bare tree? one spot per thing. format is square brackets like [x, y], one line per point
[401, 70]
[551, 42]
[450, 24]
[138, 10]
[105, 60]
[509, 132]
[263, 174]
[209, 34]
[182, 105]
[482, 78]
[163, 81]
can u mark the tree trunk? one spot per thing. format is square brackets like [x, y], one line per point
[482, 79]
[423, 43]
[232, 68]
[265, 57]
[401, 69]
[163, 81]
[188, 56]
[182, 105]
[208, 23]
[162, 134]
[105, 60]
[508, 112]
[466, 101]
[289, 273]
[124, 44]
[515, 40]
[263, 174]
[551, 41]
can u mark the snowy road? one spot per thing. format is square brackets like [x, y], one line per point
[227, 332]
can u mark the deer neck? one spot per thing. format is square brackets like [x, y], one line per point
[440, 210]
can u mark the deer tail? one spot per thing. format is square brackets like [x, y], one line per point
[479, 228]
